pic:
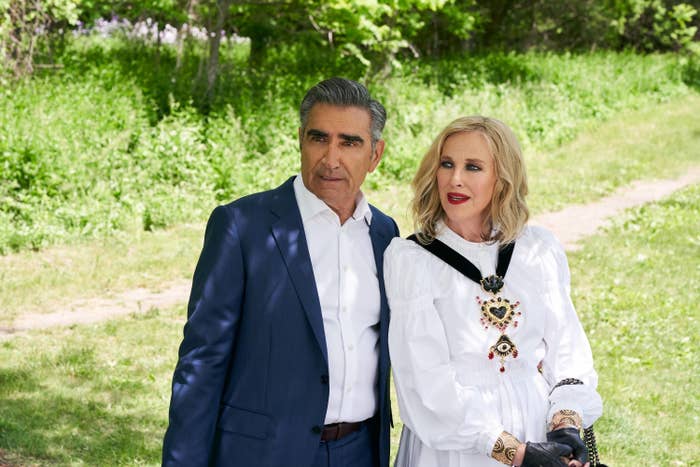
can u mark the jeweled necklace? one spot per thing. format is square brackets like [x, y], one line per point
[496, 311]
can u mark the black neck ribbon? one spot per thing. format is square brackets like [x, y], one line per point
[462, 264]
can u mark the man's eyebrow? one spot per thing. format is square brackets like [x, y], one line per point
[314, 132]
[352, 138]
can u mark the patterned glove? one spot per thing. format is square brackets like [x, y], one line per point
[571, 437]
[545, 455]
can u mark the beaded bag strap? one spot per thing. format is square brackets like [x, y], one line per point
[588, 433]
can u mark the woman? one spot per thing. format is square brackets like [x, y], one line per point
[490, 361]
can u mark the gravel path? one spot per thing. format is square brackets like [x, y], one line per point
[570, 225]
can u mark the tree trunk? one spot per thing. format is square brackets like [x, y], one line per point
[214, 43]
[183, 32]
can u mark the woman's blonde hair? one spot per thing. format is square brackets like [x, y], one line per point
[508, 209]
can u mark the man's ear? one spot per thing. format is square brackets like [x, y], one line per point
[377, 155]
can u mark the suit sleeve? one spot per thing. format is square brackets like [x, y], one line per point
[213, 316]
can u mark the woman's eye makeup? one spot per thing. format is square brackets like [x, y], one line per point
[469, 166]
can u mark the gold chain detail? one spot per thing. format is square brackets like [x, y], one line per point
[505, 447]
[566, 417]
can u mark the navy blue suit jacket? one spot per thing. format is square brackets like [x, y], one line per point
[251, 384]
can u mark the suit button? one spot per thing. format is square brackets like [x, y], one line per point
[316, 429]
[324, 379]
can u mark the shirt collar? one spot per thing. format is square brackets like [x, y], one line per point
[311, 205]
[452, 239]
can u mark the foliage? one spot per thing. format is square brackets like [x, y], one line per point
[20, 23]
[113, 142]
[372, 33]
[655, 25]
[166, 11]
[375, 32]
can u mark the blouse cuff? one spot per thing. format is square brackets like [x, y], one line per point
[488, 440]
[582, 399]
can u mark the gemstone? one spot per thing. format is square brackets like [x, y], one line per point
[499, 311]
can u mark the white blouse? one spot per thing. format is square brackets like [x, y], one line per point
[454, 400]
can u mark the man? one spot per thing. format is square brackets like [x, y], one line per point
[284, 360]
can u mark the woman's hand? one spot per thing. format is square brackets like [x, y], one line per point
[548, 454]
[571, 437]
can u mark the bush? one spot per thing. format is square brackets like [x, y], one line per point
[113, 141]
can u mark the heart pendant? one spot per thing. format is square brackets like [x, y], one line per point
[498, 312]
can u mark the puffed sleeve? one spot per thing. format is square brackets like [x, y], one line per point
[568, 351]
[444, 413]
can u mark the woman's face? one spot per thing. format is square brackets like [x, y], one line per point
[466, 178]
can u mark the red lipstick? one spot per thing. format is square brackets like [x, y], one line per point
[457, 198]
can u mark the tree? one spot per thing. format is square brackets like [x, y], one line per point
[23, 23]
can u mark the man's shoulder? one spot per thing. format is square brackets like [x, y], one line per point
[383, 220]
[263, 199]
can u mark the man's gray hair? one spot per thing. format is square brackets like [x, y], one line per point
[344, 93]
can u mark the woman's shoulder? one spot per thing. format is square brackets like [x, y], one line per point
[539, 237]
[403, 247]
[540, 246]
[405, 257]
[408, 273]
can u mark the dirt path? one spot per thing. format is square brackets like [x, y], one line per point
[577, 221]
[570, 225]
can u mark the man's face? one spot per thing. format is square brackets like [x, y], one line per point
[337, 155]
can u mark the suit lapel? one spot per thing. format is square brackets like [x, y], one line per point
[288, 232]
[380, 240]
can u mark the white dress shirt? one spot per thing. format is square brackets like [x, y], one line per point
[454, 401]
[348, 289]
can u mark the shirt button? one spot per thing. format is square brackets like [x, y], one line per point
[349, 390]
[344, 309]
[324, 379]
[350, 347]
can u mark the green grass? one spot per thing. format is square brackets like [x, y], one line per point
[91, 395]
[98, 394]
[48, 281]
[636, 289]
[655, 142]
